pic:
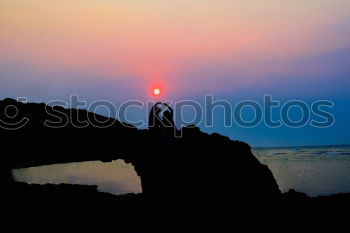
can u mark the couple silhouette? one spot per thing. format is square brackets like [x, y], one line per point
[160, 119]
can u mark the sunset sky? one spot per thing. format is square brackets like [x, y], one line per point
[117, 50]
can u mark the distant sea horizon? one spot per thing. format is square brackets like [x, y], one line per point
[300, 146]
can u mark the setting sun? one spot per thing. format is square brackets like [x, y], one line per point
[156, 91]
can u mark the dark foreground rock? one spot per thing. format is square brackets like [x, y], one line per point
[84, 206]
[212, 165]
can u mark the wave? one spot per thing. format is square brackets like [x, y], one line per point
[279, 153]
[337, 153]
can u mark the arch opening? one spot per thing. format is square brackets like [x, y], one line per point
[116, 177]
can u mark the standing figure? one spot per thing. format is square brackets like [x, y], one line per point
[154, 120]
[168, 124]
[168, 117]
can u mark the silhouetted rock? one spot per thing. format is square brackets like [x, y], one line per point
[293, 195]
[195, 163]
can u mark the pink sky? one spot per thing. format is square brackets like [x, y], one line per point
[169, 41]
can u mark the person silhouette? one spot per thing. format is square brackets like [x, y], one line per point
[168, 117]
[154, 120]
[168, 126]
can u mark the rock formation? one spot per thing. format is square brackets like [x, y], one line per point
[195, 164]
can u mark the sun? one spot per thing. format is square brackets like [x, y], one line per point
[156, 91]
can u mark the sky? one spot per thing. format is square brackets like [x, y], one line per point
[236, 50]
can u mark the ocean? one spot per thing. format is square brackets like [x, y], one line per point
[315, 171]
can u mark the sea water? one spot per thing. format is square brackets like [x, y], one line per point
[312, 170]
